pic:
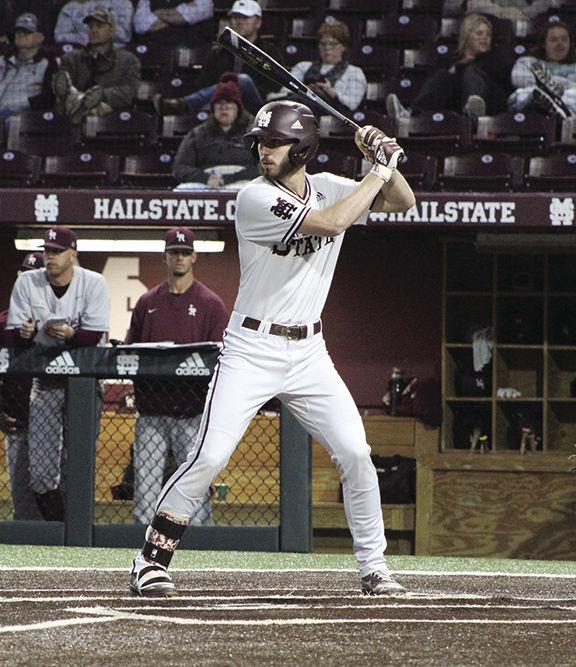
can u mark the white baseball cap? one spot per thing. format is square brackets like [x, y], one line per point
[246, 8]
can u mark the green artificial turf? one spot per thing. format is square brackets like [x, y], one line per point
[75, 557]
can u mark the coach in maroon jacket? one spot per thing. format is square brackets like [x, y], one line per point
[180, 310]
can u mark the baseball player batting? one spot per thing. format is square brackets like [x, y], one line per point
[290, 228]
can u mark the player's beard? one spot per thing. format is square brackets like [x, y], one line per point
[286, 169]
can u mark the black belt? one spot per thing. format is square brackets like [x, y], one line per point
[296, 332]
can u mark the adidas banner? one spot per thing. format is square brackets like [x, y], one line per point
[190, 361]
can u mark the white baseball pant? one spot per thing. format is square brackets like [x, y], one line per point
[254, 367]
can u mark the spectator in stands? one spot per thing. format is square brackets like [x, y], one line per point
[14, 402]
[546, 79]
[246, 19]
[214, 155]
[71, 26]
[174, 22]
[96, 79]
[25, 75]
[332, 77]
[182, 310]
[46, 12]
[514, 10]
[476, 83]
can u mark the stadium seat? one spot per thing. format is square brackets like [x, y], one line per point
[18, 169]
[176, 85]
[403, 30]
[428, 56]
[567, 134]
[480, 172]
[432, 7]
[341, 163]
[287, 7]
[440, 132]
[365, 116]
[155, 59]
[528, 30]
[150, 170]
[175, 127]
[364, 7]
[515, 133]
[376, 58]
[418, 169]
[79, 169]
[41, 133]
[554, 173]
[274, 25]
[300, 49]
[304, 28]
[406, 87]
[189, 61]
[121, 132]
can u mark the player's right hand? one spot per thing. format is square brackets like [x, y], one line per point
[27, 329]
[378, 147]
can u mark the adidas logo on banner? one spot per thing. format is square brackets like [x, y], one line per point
[62, 365]
[193, 365]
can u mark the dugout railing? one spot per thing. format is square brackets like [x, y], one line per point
[276, 517]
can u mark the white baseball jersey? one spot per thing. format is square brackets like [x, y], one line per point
[285, 276]
[84, 305]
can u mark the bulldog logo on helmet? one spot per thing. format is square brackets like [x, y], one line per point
[286, 122]
[264, 119]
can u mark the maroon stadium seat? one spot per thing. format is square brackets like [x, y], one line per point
[153, 170]
[374, 57]
[480, 172]
[83, 168]
[515, 132]
[121, 132]
[439, 132]
[175, 127]
[328, 159]
[554, 173]
[405, 30]
[18, 169]
[41, 133]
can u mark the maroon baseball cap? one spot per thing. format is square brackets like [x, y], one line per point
[60, 238]
[179, 238]
[33, 260]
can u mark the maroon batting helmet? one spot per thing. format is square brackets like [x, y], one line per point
[289, 122]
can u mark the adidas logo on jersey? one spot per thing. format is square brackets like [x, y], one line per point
[62, 365]
[193, 365]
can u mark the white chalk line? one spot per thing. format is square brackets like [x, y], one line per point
[217, 570]
[61, 623]
[148, 618]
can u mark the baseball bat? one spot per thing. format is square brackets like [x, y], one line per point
[266, 65]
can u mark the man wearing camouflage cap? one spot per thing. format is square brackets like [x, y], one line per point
[97, 79]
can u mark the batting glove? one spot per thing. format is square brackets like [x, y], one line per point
[379, 149]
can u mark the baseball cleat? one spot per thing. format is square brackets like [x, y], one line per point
[151, 581]
[381, 582]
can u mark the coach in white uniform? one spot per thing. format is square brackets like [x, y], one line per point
[59, 305]
[290, 228]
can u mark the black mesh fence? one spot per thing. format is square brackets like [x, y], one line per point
[147, 428]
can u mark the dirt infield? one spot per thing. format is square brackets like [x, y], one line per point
[78, 617]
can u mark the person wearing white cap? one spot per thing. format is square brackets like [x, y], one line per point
[245, 18]
[26, 73]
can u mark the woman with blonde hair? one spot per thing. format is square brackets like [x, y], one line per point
[476, 82]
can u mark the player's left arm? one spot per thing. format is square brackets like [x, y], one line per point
[393, 195]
